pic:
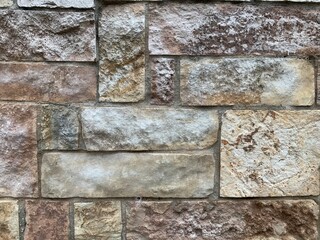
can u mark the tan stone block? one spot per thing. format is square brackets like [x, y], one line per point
[9, 220]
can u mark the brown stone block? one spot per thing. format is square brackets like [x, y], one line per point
[9, 220]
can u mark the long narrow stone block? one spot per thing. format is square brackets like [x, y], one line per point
[229, 81]
[18, 151]
[57, 3]
[238, 29]
[122, 53]
[47, 35]
[222, 220]
[318, 82]
[67, 175]
[98, 220]
[110, 129]
[9, 220]
[47, 82]
[270, 153]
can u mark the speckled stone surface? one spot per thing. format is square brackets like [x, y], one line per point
[229, 29]
[5, 3]
[222, 220]
[57, 3]
[46, 220]
[9, 220]
[270, 153]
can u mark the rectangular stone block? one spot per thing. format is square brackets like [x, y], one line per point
[47, 82]
[9, 220]
[98, 220]
[57, 3]
[222, 220]
[111, 129]
[60, 128]
[122, 53]
[270, 153]
[18, 151]
[5, 3]
[96, 175]
[46, 220]
[229, 81]
[228, 29]
[163, 75]
[47, 36]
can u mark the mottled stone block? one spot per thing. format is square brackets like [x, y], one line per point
[9, 220]
[160, 175]
[18, 151]
[111, 129]
[47, 220]
[60, 128]
[227, 29]
[229, 81]
[301, 1]
[122, 53]
[47, 82]
[268, 153]
[318, 82]
[98, 220]
[222, 220]
[47, 35]
[57, 3]
[163, 74]
[5, 3]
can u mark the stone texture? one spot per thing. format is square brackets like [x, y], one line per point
[18, 151]
[303, 1]
[60, 128]
[47, 82]
[268, 153]
[98, 220]
[110, 129]
[163, 75]
[227, 29]
[318, 82]
[229, 81]
[57, 3]
[222, 220]
[122, 53]
[47, 35]
[5, 3]
[46, 220]
[9, 220]
[127, 175]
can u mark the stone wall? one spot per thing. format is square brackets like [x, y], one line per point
[159, 120]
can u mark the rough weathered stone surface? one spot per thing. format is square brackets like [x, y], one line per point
[9, 220]
[268, 153]
[318, 82]
[163, 75]
[229, 81]
[98, 220]
[148, 129]
[222, 220]
[47, 82]
[225, 29]
[18, 151]
[47, 35]
[122, 53]
[127, 175]
[46, 220]
[5, 3]
[57, 3]
[60, 128]
[314, 1]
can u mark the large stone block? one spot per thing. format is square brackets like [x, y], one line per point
[47, 220]
[122, 53]
[5, 3]
[222, 220]
[18, 151]
[9, 220]
[88, 175]
[47, 82]
[226, 29]
[60, 128]
[111, 129]
[47, 35]
[57, 3]
[98, 220]
[268, 153]
[229, 81]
